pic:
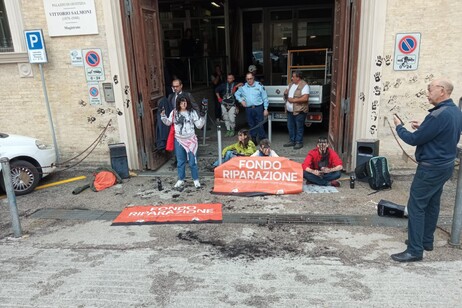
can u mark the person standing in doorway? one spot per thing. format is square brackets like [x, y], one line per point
[177, 87]
[185, 118]
[436, 140]
[225, 96]
[296, 96]
[252, 95]
[217, 79]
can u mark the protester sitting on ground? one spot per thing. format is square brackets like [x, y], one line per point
[265, 149]
[322, 166]
[184, 118]
[244, 147]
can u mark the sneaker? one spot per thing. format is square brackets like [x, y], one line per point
[178, 183]
[335, 183]
[197, 184]
[289, 144]
[298, 146]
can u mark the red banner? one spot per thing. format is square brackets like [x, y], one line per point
[170, 213]
[271, 175]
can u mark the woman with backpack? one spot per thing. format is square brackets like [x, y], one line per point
[184, 118]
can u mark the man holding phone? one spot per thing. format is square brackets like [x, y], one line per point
[436, 139]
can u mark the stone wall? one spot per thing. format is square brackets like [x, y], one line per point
[404, 92]
[77, 123]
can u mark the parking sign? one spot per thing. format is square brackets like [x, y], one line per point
[36, 46]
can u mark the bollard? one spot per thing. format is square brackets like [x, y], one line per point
[204, 129]
[11, 196]
[457, 216]
[219, 144]
[270, 126]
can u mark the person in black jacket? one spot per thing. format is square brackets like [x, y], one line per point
[177, 87]
[162, 130]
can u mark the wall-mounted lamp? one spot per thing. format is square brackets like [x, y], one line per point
[215, 4]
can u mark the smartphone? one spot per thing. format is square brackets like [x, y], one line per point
[396, 115]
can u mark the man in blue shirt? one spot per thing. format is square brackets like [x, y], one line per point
[254, 98]
[436, 139]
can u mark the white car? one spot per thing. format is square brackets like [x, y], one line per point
[30, 161]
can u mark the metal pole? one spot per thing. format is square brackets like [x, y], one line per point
[5, 162]
[190, 76]
[270, 126]
[219, 143]
[457, 216]
[204, 129]
[50, 119]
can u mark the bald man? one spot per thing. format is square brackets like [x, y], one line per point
[436, 140]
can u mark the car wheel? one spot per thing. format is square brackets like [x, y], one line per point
[24, 175]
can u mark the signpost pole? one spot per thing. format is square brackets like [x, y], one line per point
[50, 118]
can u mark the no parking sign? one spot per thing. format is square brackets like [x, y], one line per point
[93, 64]
[407, 48]
[94, 94]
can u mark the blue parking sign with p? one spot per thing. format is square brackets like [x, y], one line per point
[34, 40]
[35, 46]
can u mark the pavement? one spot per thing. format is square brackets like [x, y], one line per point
[304, 250]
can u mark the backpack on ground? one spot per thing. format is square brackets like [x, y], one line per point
[375, 172]
[103, 178]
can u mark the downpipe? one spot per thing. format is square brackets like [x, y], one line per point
[457, 216]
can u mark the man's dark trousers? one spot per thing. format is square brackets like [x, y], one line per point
[296, 126]
[424, 206]
[254, 117]
[323, 181]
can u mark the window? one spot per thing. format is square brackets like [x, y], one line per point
[12, 42]
[6, 42]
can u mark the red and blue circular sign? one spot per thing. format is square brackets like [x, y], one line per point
[407, 44]
[92, 58]
[94, 91]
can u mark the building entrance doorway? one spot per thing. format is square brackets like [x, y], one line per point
[144, 60]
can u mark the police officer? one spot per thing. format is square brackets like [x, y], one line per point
[254, 98]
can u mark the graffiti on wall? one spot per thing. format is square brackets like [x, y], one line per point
[402, 95]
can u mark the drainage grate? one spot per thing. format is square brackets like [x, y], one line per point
[252, 218]
[80, 214]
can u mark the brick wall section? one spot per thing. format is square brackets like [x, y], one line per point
[23, 107]
[440, 26]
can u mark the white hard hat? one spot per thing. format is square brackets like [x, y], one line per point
[252, 68]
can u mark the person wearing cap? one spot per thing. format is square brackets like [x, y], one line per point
[229, 109]
[252, 95]
[296, 96]
[322, 165]
[253, 69]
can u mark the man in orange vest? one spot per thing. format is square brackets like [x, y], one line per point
[296, 96]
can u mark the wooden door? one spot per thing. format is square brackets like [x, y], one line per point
[344, 66]
[144, 58]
